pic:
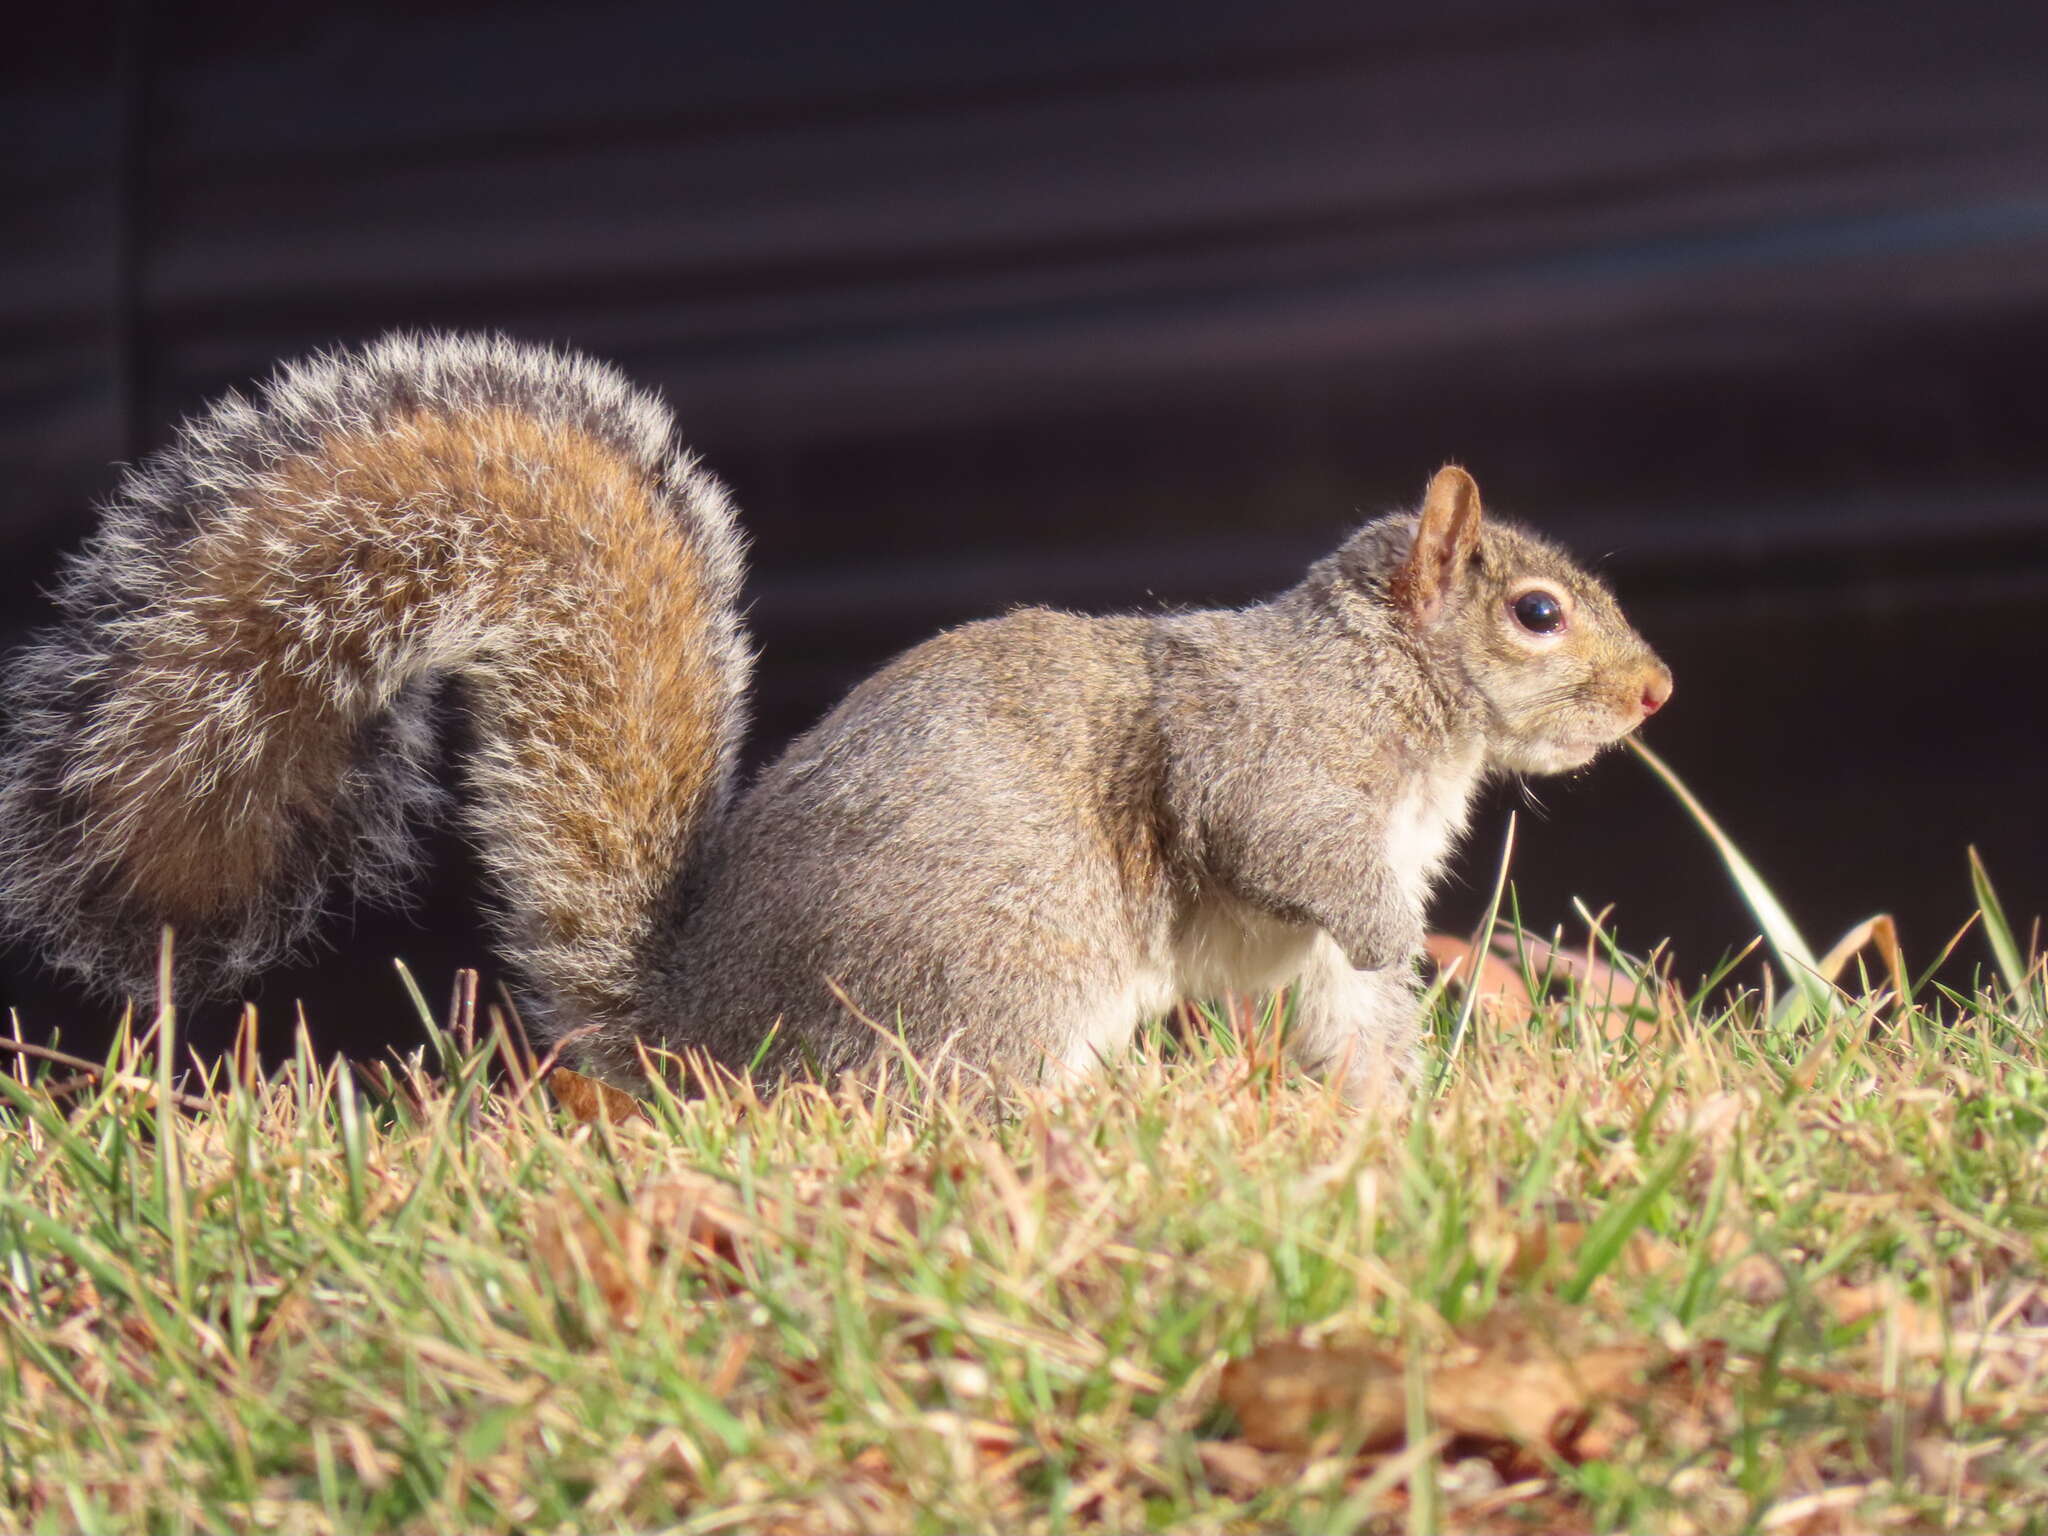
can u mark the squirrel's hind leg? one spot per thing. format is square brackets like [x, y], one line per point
[1103, 1028]
[1357, 1028]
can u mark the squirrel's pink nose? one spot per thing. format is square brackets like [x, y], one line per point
[1656, 692]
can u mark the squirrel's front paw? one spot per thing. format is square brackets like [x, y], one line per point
[1385, 941]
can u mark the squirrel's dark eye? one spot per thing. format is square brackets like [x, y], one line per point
[1539, 612]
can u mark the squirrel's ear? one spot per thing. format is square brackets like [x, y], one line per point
[1446, 536]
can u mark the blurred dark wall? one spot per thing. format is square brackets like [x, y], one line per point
[1113, 305]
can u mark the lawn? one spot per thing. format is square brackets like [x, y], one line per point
[1713, 1262]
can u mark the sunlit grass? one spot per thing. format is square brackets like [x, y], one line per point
[429, 1299]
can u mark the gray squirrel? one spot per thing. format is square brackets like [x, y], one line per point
[1012, 844]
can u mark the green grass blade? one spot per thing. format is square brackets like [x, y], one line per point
[1610, 1234]
[1480, 945]
[2005, 949]
[413, 992]
[1795, 956]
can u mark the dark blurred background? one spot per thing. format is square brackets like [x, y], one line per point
[1114, 305]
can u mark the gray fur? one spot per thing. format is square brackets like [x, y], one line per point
[1013, 843]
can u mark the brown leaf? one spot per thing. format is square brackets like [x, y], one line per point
[1607, 1430]
[1509, 1386]
[1497, 973]
[1539, 1399]
[1241, 1470]
[1499, 982]
[586, 1099]
[1290, 1397]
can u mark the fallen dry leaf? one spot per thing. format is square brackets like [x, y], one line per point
[1497, 973]
[1292, 1397]
[1606, 1430]
[1539, 1400]
[1499, 981]
[1507, 1385]
[1240, 1469]
[586, 1099]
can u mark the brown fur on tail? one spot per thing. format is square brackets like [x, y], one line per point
[289, 580]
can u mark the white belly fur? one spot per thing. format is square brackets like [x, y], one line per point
[1226, 946]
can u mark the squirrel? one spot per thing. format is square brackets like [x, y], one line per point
[1013, 844]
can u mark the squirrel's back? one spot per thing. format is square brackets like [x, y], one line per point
[235, 706]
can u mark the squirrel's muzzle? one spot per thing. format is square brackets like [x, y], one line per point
[1656, 691]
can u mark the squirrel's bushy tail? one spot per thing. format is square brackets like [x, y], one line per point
[234, 708]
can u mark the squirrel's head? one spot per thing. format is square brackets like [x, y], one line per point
[1541, 643]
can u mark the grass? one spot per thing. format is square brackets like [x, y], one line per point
[430, 1298]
